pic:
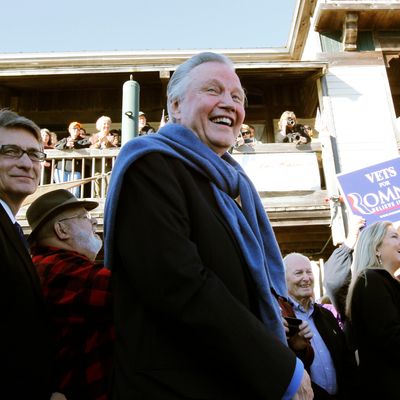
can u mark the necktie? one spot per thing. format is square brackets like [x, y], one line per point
[21, 235]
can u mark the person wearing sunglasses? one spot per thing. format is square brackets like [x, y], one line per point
[25, 347]
[64, 245]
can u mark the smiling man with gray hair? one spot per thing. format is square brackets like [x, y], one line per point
[332, 370]
[195, 262]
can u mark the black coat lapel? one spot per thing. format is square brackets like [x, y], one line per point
[20, 250]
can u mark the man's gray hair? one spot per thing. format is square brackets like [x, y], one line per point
[289, 258]
[10, 119]
[178, 83]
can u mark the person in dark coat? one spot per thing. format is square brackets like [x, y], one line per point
[25, 347]
[70, 170]
[373, 310]
[189, 245]
[333, 367]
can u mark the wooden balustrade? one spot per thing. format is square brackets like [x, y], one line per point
[81, 164]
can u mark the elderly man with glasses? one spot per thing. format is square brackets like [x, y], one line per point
[64, 245]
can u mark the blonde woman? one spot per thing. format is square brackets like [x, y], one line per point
[290, 131]
[373, 309]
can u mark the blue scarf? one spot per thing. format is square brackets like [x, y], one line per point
[250, 225]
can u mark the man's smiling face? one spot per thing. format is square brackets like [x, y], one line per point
[212, 105]
[19, 177]
[299, 278]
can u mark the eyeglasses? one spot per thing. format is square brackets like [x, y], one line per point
[14, 151]
[84, 216]
[246, 133]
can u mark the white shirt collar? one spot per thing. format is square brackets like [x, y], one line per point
[8, 211]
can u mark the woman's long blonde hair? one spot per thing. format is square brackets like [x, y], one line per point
[365, 255]
[285, 115]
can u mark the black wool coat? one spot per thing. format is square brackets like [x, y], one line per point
[25, 347]
[375, 327]
[186, 310]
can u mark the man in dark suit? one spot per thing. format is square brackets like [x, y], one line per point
[24, 339]
[195, 312]
[332, 367]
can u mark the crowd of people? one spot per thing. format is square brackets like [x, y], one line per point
[71, 169]
[194, 299]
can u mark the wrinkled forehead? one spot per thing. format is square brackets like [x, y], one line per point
[216, 71]
[297, 263]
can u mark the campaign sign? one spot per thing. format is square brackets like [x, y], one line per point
[373, 192]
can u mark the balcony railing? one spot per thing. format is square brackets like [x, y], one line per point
[89, 167]
[289, 179]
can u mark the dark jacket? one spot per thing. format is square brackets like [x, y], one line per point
[186, 313]
[343, 359]
[146, 130]
[293, 134]
[78, 144]
[334, 338]
[375, 326]
[25, 347]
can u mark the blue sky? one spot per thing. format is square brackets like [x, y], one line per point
[79, 25]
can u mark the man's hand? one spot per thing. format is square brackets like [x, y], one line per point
[301, 340]
[302, 140]
[70, 142]
[355, 224]
[305, 391]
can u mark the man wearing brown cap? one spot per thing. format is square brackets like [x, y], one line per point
[72, 169]
[64, 245]
[25, 367]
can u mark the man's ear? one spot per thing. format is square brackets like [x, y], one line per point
[61, 230]
[175, 110]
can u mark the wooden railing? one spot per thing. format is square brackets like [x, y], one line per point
[94, 166]
[285, 208]
[88, 168]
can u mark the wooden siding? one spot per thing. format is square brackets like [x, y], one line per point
[363, 115]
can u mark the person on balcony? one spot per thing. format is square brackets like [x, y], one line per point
[71, 170]
[25, 345]
[290, 131]
[194, 259]
[64, 245]
[100, 139]
[114, 137]
[47, 144]
[144, 127]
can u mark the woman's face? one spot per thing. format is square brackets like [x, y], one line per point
[105, 126]
[389, 250]
[45, 137]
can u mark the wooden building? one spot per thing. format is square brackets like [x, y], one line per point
[338, 72]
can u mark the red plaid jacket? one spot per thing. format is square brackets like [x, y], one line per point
[78, 297]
